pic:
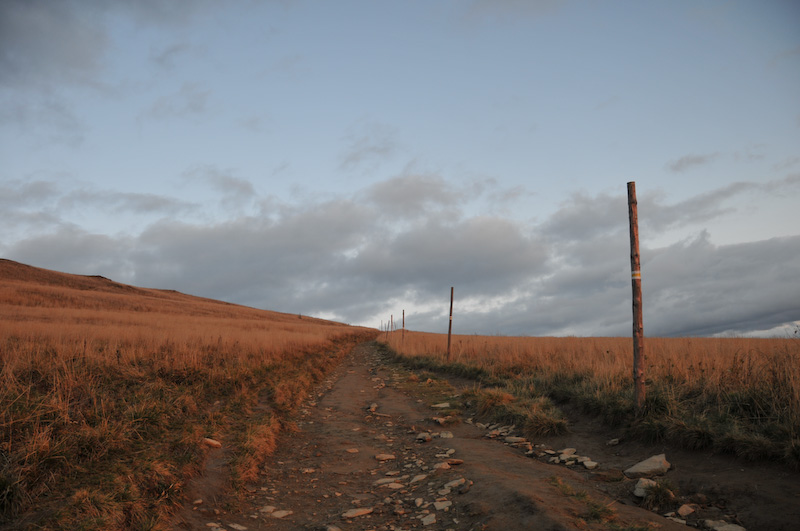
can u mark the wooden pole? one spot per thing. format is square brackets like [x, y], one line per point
[450, 327]
[403, 335]
[636, 284]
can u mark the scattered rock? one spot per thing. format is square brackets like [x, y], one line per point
[267, 509]
[654, 466]
[373, 407]
[211, 443]
[198, 501]
[441, 505]
[443, 405]
[612, 442]
[281, 514]
[418, 477]
[455, 462]
[455, 483]
[352, 450]
[446, 435]
[418, 502]
[640, 491]
[567, 452]
[429, 519]
[685, 510]
[515, 440]
[354, 513]
[465, 487]
[424, 437]
[237, 527]
[385, 457]
[590, 465]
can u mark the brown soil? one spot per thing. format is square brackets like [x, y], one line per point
[318, 475]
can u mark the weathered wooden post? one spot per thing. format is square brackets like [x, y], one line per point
[403, 334]
[450, 327]
[636, 284]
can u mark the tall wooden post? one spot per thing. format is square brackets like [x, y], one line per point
[450, 327]
[636, 284]
[403, 334]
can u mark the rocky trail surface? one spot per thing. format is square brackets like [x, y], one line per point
[369, 453]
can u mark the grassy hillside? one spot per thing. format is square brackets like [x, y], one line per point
[732, 395]
[107, 390]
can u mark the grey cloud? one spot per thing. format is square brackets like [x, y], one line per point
[18, 193]
[411, 196]
[697, 288]
[187, 101]
[48, 42]
[234, 192]
[582, 217]
[167, 57]
[49, 118]
[485, 255]
[44, 43]
[73, 250]
[368, 144]
[689, 161]
[340, 257]
[137, 203]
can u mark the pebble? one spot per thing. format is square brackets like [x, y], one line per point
[653, 466]
[361, 511]
[385, 457]
[429, 519]
[282, 514]
[642, 486]
[455, 483]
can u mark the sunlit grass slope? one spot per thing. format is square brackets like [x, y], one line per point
[731, 395]
[106, 391]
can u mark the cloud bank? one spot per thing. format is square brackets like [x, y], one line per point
[400, 244]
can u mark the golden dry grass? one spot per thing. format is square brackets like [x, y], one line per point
[739, 395]
[106, 391]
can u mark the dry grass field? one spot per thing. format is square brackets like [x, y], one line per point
[732, 395]
[106, 391]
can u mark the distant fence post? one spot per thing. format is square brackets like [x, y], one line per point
[450, 327]
[636, 283]
[403, 333]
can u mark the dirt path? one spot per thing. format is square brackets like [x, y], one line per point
[348, 458]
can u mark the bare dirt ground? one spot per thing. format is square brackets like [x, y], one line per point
[346, 455]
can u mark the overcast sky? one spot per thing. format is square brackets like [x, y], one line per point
[354, 159]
